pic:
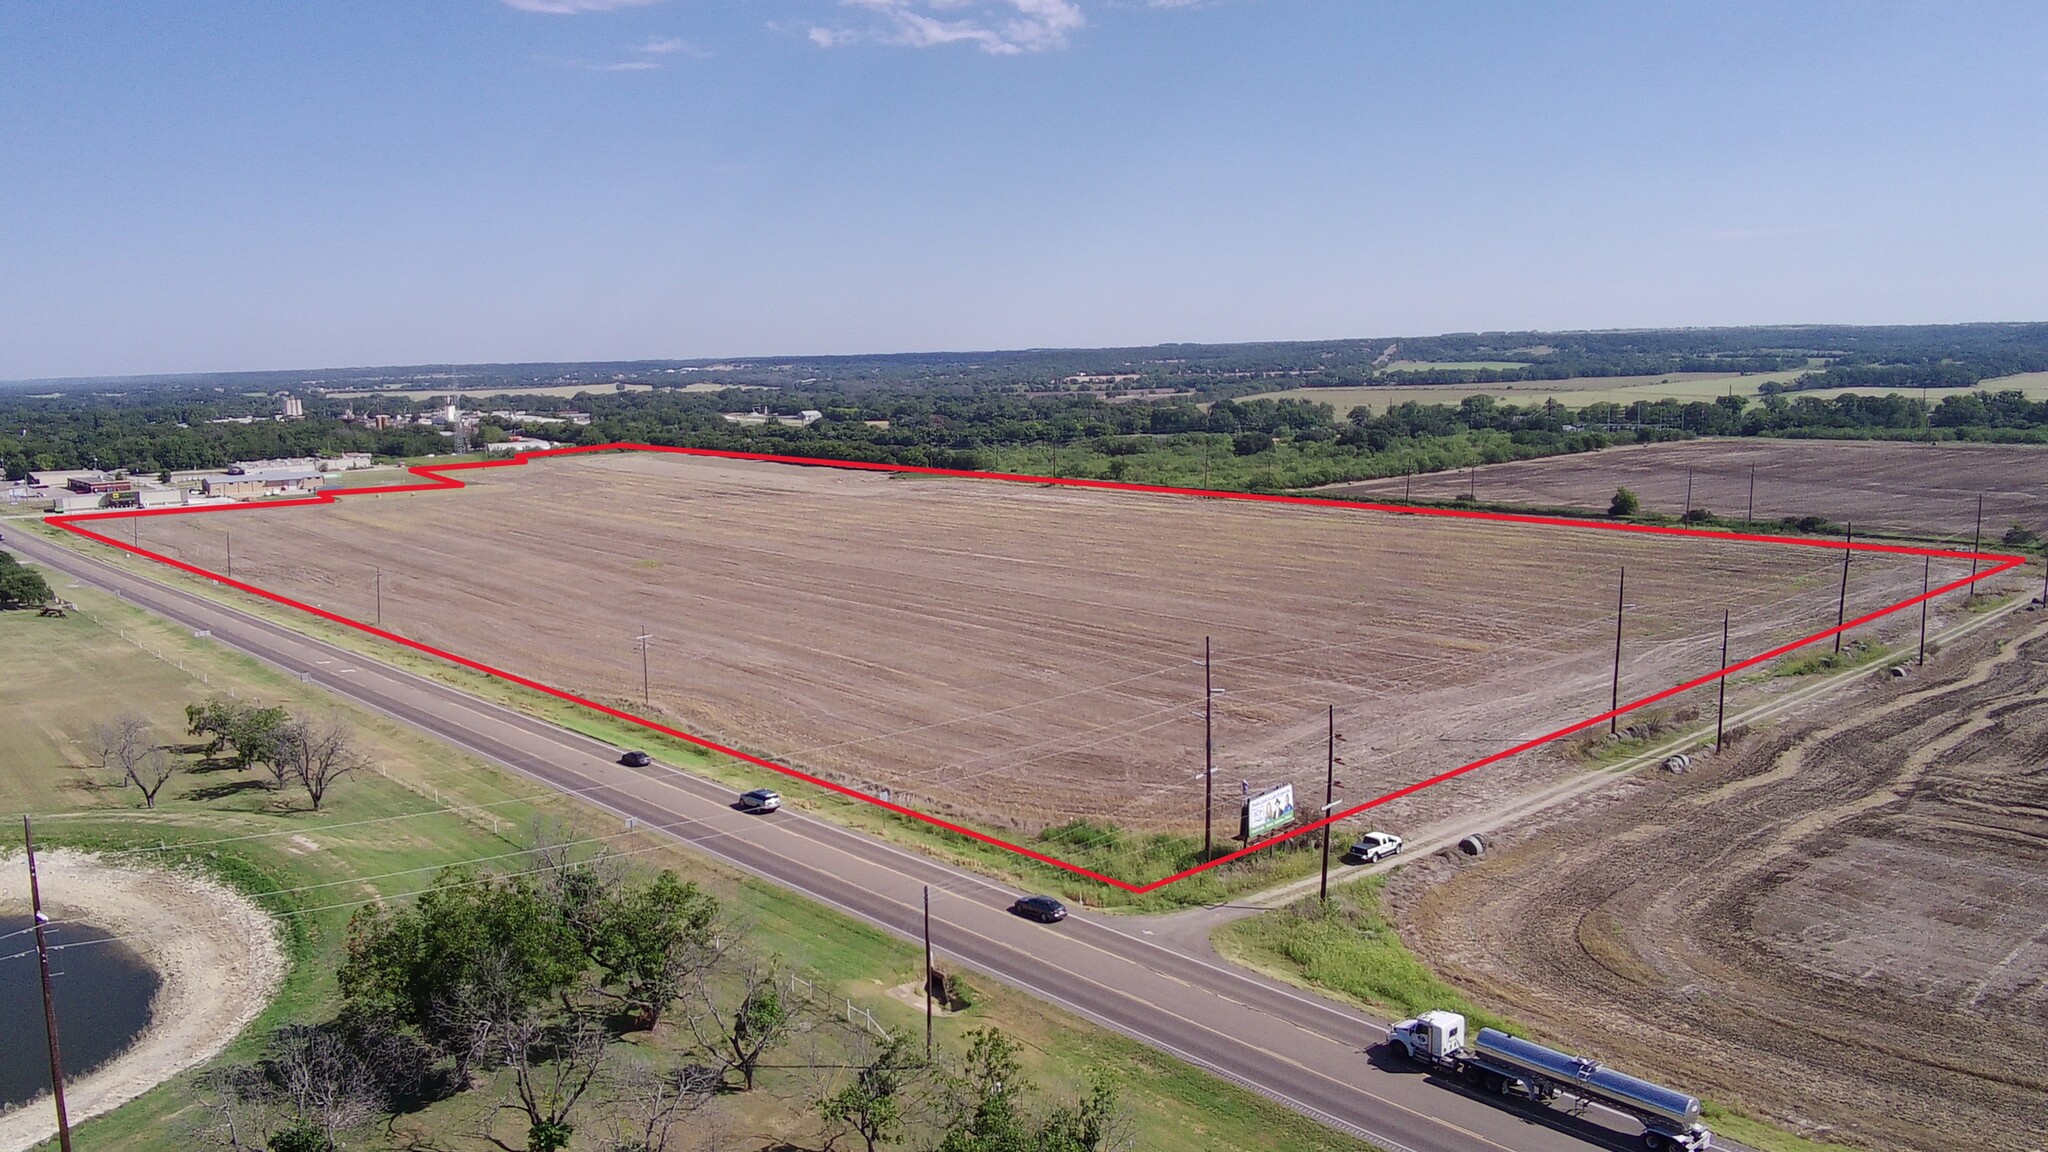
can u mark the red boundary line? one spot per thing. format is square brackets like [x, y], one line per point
[436, 481]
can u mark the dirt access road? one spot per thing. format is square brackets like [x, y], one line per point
[1018, 655]
[1843, 927]
[1923, 489]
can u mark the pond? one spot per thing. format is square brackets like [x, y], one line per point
[103, 992]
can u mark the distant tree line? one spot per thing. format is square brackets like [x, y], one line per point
[970, 410]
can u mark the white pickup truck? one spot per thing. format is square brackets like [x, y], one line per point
[1374, 847]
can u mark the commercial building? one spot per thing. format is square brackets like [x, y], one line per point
[264, 482]
[98, 485]
[519, 444]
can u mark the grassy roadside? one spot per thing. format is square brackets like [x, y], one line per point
[1099, 847]
[385, 835]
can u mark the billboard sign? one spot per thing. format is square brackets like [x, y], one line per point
[1267, 811]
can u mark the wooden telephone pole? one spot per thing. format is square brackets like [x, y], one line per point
[927, 971]
[35, 895]
[1329, 802]
[1208, 758]
[1614, 705]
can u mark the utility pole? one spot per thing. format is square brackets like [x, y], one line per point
[1721, 708]
[1688, 492]
[231, 556]
[1614, 705]
[644, 641]
[927, 971]
[1976, 540]
[1751, 514]
[35, 895]
[1409, 492]
[1329, 801]
[1926, 570]
[1208, 756]
[1842, 601]
[380, 597]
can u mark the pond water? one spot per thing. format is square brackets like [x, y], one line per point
[103, 992]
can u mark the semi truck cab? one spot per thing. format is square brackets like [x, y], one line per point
[1434, 1037]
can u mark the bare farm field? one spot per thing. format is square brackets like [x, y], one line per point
[1019, 655]
[1918, 488]
[1842, 927]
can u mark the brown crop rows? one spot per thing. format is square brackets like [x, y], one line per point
[1022, 655]
[1928, 489]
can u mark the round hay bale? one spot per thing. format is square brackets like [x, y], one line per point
[1473, 845]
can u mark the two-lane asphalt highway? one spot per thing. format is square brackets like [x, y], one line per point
[1293, 1047]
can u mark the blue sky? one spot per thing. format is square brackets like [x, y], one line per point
[203, 186]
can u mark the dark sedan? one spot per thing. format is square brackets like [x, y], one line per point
[636, 760]
[1043, 909]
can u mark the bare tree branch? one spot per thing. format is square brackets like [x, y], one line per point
[126, 747]
[318, 754]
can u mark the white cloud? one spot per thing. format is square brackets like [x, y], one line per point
[670, 46]
[571, 7]
[999, 27]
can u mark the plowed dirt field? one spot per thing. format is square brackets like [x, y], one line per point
[1019, 655]
[1888, 486]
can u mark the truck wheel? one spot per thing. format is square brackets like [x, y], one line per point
[1655, 1141]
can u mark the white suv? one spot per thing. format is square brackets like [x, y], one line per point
[1374, 847]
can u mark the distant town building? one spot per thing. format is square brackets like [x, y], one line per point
[98, 485]
[292, 408]
[519, 444]
[246, 485]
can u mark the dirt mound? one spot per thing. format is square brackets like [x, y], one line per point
[215, 951]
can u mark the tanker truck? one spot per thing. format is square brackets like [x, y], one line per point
[1510, 1065]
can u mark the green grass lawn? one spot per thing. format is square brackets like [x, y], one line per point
[386, 834]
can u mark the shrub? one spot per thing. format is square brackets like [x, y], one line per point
[1697, 516]
[2020, 536]
[1625, 503]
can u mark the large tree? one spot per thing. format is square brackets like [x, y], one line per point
[742, 1022]
[21, 586]
[877, 1104]
[473, 957]
[250, 733]
[990, 1091]
[317, 754]
[128, 750]
[649, 940]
